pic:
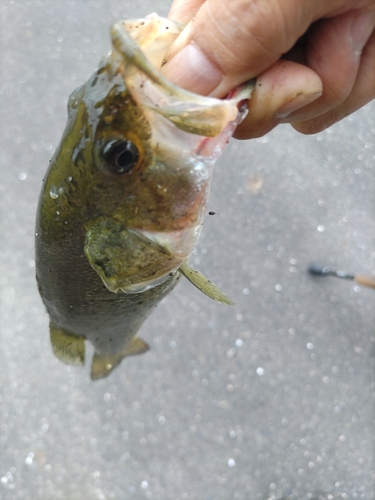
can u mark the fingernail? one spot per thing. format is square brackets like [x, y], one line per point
[191, 70]
[296, 103]
[362, 27]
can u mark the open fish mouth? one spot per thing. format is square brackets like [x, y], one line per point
[139, 50]
[188, 134]
[187, 128]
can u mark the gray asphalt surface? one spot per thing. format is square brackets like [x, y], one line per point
[272, 399]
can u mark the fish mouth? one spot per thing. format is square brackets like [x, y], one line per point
[188, 134]
[188, 131]
[139, 51]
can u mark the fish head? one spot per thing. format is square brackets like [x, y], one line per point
[146, 151]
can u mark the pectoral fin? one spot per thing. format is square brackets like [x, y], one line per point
[67, 348]
[205, 285]
[102, 366]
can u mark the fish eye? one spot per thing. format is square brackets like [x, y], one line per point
[120, 156]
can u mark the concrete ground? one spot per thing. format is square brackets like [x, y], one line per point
[271, 399]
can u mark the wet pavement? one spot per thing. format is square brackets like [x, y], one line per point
[271, 399]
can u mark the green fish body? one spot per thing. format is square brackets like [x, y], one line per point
[123, 200]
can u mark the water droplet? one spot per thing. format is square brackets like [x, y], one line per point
[239, 343]
[320, 228]
[231, 462]
[29, 459]
[22, 176]
[144, 484]
[53, 193]
[310, 346]
[278, 287]
[260, 371]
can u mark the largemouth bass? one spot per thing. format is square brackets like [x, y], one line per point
[123, 200]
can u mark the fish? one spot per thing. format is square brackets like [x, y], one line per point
[122, 203]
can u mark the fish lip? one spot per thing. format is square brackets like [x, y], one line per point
[201, 115]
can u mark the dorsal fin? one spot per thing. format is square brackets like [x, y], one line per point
[205, 285]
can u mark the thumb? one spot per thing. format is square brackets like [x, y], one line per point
[230, 42]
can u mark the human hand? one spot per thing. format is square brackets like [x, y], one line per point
[314, 59]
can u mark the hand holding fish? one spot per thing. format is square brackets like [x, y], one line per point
[314, 60]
